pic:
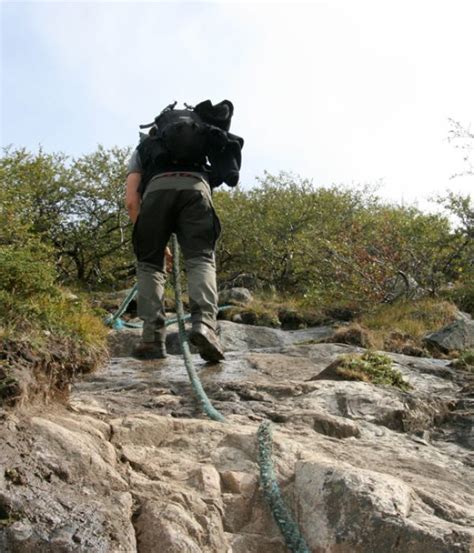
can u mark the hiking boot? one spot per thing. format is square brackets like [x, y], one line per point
[207, 343]
[150, 350]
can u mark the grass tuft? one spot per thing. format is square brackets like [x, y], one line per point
[373, 367]
[48, 338]
[401, 326]
[464, 361]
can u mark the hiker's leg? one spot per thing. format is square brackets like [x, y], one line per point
[198, 229]
[150, 308]
[202, 289]
[150, 237]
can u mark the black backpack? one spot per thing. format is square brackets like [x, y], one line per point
[193, 139]
[182, 135]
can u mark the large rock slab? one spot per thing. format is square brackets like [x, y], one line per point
[234, 337]
[61, 490]
[132, 465]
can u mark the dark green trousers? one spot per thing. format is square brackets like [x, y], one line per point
[181, 205]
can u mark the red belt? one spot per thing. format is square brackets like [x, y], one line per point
[161, 175]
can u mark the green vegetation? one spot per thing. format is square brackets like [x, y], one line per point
[306, 251]
[373, 367]
[335, 247]
[462, 293]
[73, 206]
[465, 361]
[328, 247]
[47, 334]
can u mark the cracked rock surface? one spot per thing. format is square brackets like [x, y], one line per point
[132, 465]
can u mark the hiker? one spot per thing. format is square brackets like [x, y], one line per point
[170, 179]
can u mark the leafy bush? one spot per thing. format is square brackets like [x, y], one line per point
[75, 206]
[331, 247]
[334, 247]
[26, 270]
[462, 294]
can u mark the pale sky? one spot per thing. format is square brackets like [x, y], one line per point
[338, 91]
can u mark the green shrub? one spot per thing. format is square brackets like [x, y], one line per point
[372, 367]
[462, 294]
[465, 360]
[26, 270]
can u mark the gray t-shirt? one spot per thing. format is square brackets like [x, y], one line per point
[135, 163]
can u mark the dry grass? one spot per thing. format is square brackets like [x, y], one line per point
[355, 335]
[412, 318]
[401, 326]
[465, 361]
[266, 310]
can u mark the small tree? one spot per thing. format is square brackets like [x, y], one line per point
[75, 206]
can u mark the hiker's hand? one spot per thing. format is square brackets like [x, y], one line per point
[168, 260]
[132, 196]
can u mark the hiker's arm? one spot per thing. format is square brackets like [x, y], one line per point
[132, 196]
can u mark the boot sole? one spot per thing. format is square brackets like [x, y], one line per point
[207, 350]
[148, 355]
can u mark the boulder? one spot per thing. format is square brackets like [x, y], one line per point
[239, 296]
[354, 510]
[456, 336]
[234, 337]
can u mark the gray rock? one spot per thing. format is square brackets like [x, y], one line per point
[133, 464]
[122, 342]
[335, 426]
[234, 337]
[458, 336]
[235, 296]
[187, 525]
[462, 315]
[361, 510]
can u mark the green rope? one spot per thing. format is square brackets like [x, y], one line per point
[114, 320]
[119, 324]
[206, 405]
[271, 491]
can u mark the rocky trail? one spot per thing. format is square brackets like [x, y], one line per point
[131, 465]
